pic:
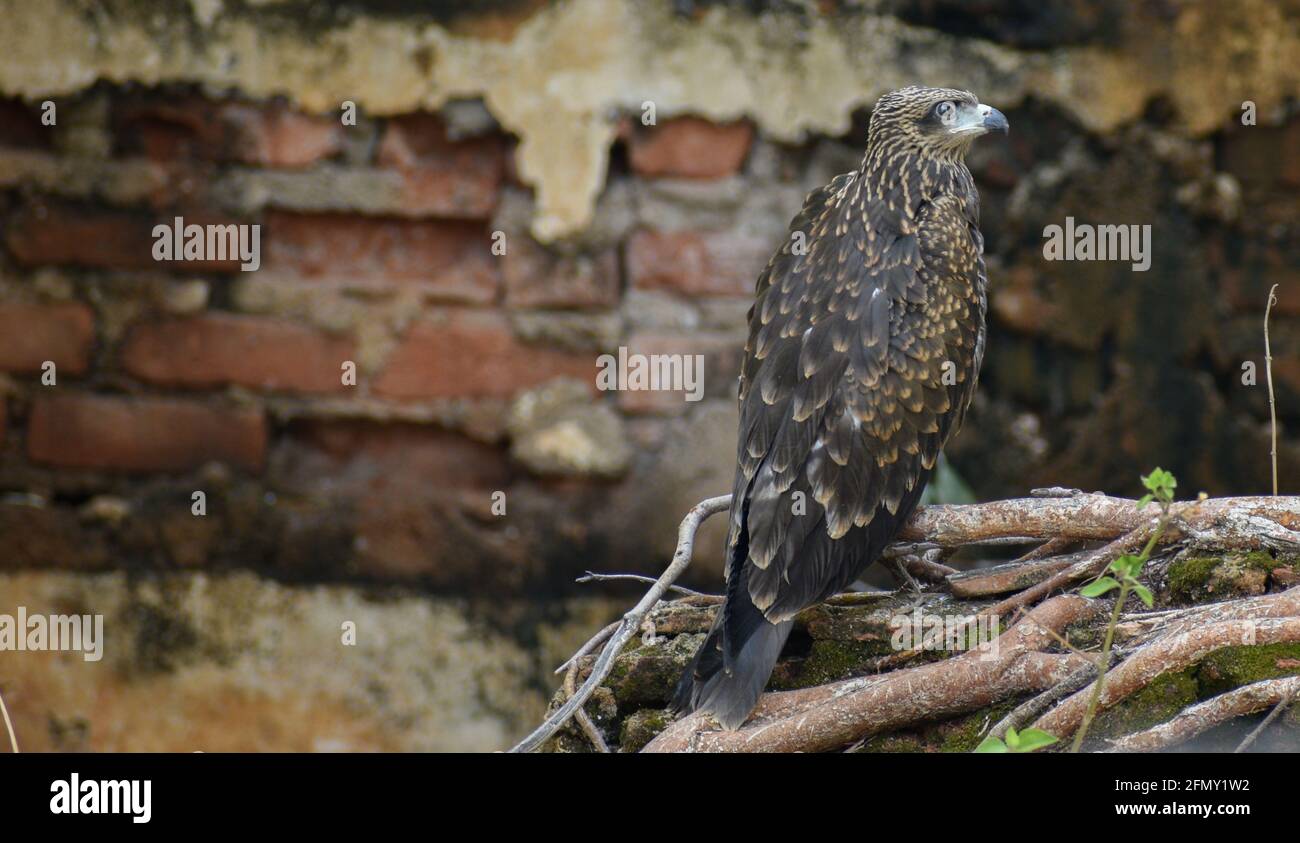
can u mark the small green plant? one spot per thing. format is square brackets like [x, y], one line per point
[1026, 741]
[1123, 575]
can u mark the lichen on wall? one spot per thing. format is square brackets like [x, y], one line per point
[793, 70]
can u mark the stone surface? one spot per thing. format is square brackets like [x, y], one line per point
[236, 664]
[557, 429]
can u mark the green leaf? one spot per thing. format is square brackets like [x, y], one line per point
[1032, 739]
[1099, 587]
[1161, 484]
[1143, 501]
[1127, 565]
[1144, 594]
[992, 744]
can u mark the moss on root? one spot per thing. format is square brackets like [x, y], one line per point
[1167, 695]
[1233, 667]
[955, 734]
[1205, 579]
[639, 728]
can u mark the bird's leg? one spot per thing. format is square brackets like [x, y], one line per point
[909, 582]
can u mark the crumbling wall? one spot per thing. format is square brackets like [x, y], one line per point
[523, 124]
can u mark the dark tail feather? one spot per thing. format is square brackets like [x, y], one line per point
[730, 691]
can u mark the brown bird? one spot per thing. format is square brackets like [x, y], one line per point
[865, 343]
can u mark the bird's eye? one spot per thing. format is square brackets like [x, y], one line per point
[945, 111]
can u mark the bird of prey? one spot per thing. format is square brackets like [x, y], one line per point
[865, 342]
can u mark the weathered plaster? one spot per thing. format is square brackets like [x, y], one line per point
[562, 76]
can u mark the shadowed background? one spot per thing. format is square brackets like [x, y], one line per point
[521, 123]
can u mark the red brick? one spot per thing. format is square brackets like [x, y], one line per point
[31, 334]
[59, 233]
[444, 177]
[43, 233]
[142, 434]
[252, 351]
[359, 458]
[688, 147]
[697, 263]
[473, 354]
[228, 132]
[451, 259]
[537, 277]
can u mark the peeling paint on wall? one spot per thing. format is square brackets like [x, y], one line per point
[792, 73]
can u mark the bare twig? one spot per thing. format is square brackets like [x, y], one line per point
[592, 576]
[1089, 564]
[592, 643]
[9, 726]
[1287, 696]
[584, 720]
[1203, 716]
[1013, 576]
[630, 624]
[1268, 373]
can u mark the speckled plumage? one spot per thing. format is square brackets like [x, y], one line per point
[865, 343]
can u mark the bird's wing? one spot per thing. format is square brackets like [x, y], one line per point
[862, 356]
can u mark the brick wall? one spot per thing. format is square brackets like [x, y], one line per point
[378, 253]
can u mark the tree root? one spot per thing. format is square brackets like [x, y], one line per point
[836, 715]
[1201, 717]
[1169, 653]
[830, 716]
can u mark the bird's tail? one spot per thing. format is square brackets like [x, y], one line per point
[732, 666]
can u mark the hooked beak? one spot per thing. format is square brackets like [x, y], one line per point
[980, 120]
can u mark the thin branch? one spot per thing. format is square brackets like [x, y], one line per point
[1268, 371]
[592, 576]
[1203, 716]
[584, 719]
[1012, 576]
[630, 624]
[1089, 564]
[592, 643]
[13, 741]
[1286, 698]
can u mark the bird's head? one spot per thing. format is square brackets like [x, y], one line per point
[941, 122]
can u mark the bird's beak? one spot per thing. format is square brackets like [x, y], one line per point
[994, 120]
[980, 120]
